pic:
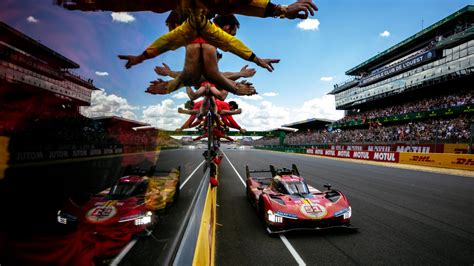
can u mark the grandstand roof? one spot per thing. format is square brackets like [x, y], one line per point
[430, 32]
[313, 123]
[20, 41]
[120, 120]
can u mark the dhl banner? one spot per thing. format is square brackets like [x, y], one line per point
[4, 155]
[447, 160]
[456, 148]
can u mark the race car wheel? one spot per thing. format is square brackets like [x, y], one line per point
[176, 194]
[261, 210]
[249, 197]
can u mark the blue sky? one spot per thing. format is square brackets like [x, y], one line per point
[312, 60]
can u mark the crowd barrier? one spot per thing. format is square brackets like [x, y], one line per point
[444, 160]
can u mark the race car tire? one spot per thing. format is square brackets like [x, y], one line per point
[249, 197]
[261, 210]
[176, 194]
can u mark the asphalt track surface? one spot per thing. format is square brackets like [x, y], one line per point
[404, 217]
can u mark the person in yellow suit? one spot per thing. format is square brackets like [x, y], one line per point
[201, 58]
[198, 25]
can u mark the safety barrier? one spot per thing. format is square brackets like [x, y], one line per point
[195, 242]
[182, 247]
[205, 246]
[456, 161]
[444, 160]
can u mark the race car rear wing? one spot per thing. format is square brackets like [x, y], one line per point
[272, 170]
[248, 172]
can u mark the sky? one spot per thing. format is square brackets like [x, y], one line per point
[315, 53]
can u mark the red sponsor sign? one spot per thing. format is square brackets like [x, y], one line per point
[400, 147]
[319, 151]
[385, 156]
[344, 154]
[330, 152]
[309, 151]
[361, 155]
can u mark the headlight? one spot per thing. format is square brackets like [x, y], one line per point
[144, 220]
[346, 213]
[138, 219]
[274, 218]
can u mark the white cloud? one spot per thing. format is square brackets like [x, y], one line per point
[99, 73]
[103, 104]
[266, 115]
[32, 19]
[164, 115]
[254, 97]
[385, 34]
[270, 94]
[309, 24]
[327, 78]
[122, 17]
[180, 95]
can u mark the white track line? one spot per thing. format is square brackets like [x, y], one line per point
[124, 252]
[241, 179]
[292, 250]
[192, 173]
[285, 241]
[132, 243]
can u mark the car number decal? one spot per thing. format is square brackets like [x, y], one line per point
[314, 211]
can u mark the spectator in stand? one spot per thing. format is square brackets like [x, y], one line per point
[444, 130]
[460, 98]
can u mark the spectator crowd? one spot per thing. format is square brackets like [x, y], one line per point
[441, 130]
[427, 104]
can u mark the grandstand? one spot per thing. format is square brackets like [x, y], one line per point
[415, 96]
[36, 81]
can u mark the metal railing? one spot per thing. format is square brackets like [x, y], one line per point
[181, 249]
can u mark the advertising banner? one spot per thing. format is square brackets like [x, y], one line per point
[398, 147]
[400, 67]
[446, 160]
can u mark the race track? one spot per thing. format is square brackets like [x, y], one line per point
[403, 216]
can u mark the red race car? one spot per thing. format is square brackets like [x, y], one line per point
[128, 208]
[286, 202]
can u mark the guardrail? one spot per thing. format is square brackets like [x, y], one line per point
[443, 160]
[181, 249]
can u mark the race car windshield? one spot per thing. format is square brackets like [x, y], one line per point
[122, 190]
[296, 188]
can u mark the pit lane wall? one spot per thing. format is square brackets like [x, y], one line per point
[205, 246]
[444, 160]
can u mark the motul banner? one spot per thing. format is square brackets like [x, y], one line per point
[360, 155]
[400, 147]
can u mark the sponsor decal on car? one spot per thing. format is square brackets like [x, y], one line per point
[313, 210]
[102, 213]
[286, 215]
